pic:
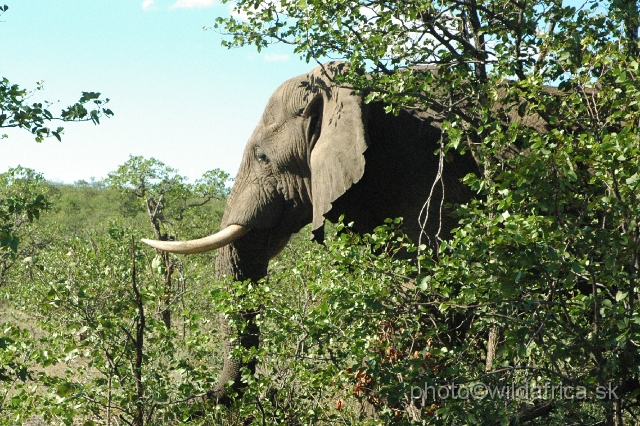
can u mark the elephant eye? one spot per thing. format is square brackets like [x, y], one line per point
[261, 156]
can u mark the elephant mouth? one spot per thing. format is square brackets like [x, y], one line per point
[212, 242]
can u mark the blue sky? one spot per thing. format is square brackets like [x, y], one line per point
[176, 93]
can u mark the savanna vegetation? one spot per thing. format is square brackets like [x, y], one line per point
[87, 338]
[528, 314]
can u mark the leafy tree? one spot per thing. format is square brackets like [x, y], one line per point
[167, 197]
[84, 207]
[539, 283]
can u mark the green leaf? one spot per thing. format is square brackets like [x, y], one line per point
[423, 282]
[64, 389]
[577, 267]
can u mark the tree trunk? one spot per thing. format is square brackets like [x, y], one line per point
[492, 344]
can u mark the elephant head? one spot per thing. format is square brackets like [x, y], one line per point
[306, 161]
[307, 151]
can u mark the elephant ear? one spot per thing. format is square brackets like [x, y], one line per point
[338, 141]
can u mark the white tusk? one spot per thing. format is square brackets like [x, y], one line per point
[212, 242]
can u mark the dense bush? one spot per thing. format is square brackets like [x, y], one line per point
[363, 329]
[352, 331]
[537, 290]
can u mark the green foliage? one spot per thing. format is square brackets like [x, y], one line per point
[346, 331]
[16, 112]
[167, 195]
[352, 328]
[98, 318]
[90, 207]
[355, 327]
[470, 46]
[546, 260]
[16, 346]
[78, 360]
[23, 196]
[101, 316]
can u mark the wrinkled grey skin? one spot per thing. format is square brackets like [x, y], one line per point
[319, 152]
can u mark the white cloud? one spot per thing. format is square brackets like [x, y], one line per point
[276, 57]
[147, 4]
[191, 4]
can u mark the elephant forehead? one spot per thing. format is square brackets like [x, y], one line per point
[288, 101]
[273, 117]
[267, 133]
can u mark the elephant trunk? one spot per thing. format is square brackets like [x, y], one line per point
[248, 338]
[242, 260]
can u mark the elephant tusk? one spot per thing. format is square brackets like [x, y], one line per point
[212, 242]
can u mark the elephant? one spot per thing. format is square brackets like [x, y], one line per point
[317, 153]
